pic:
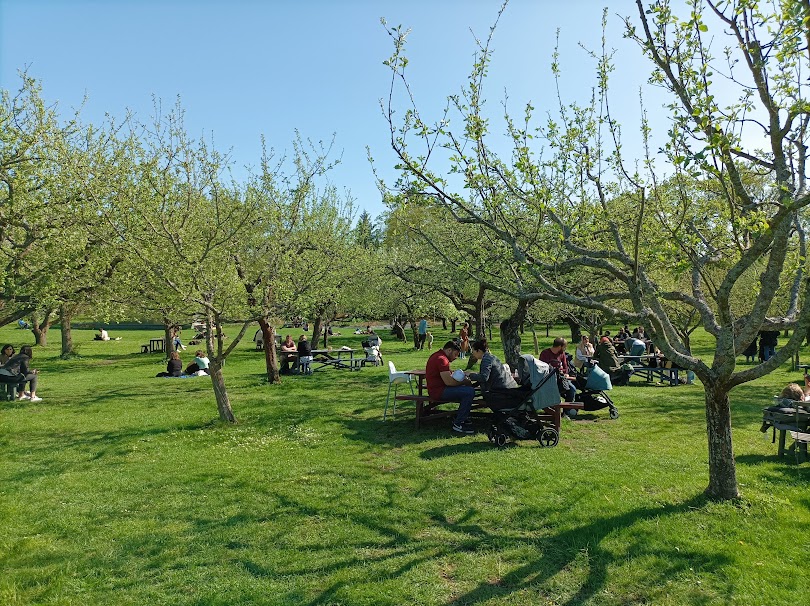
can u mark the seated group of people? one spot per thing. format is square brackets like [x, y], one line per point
[15, 369]
[198, 367]
[458, 386]
[300, 361]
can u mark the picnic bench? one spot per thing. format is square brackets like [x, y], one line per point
[428, 409]
[154, 346]
[665, 375]
[787, 419]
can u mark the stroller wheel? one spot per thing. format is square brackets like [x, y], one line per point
[548, 437]
[500, 440]
[614, 412]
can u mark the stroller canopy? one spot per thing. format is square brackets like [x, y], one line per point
[542, 379]
[598, 380]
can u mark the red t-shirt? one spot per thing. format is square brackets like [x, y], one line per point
[437, 363]
[558, 360]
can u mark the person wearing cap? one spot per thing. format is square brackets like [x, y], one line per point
[608, 361]
[442, 386]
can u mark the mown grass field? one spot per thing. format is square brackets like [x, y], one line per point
[120, 488]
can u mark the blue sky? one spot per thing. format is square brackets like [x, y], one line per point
[246, 68]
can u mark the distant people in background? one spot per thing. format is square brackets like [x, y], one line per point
[421, 333]
[768, 340]
[17, 370]
[6, 353]
[429, 338]
[584, 352]
[636, 348]
[751, 351]
[23, 324]
[176, 342]
[464, 340]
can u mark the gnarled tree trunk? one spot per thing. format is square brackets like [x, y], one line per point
[65, 317]
[317, 328]
[270, 357]
[220, 393]
[510, 333]
[168, 335]
[40, 329]
[722, 467]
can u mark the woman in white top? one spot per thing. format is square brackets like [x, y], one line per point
[584, 351]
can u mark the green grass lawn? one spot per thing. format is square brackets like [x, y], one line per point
[120, 488]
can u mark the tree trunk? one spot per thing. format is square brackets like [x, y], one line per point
[510, 333]
[270, 357]
[67, 333]
[220, 393]
[444, 323]
[168, 336]
[40, 329]
[722, 468]
[479, 312]
[317, 326]
[454, 320]
[576, 329]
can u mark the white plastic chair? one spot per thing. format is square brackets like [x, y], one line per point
[396, 379]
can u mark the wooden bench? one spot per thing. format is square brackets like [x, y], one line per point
[669, 375]
[145, 348]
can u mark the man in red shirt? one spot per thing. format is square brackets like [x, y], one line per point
[555, 357]
[442, 386]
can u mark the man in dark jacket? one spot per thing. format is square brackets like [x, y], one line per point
[608, 361]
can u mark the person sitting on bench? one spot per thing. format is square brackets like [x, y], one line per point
[16, 370]
[443, 386]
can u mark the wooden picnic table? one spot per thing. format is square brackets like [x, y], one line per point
[670, 375]
[336, 358]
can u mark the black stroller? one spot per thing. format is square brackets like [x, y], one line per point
[523, 413]
[592, 387]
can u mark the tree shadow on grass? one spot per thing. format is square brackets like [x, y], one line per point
[785, 469]
[441, 538]
[461, 448]
[395, 432]
[89, 447]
